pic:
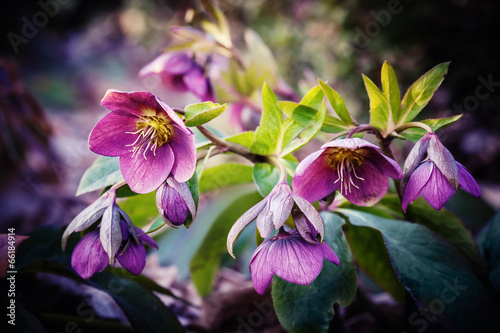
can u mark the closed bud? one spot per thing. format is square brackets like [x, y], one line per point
[175, 203]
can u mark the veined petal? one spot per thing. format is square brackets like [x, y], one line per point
[265, 223]
[196, 82]
[111, 135]
[259, 268]
[185, 193]
[184, 149]
[351, 143]
[383, 164]
[467, 182]
[134, 257]
[172, 207]
[417, 180]
[304, 227]
[280, 204]
[242, 222]
[110, 233]
[146, 175]
[314, 179]
[135, 102]
[371, 189]
[89, 256]
[171, 63]
[311, 214]
[414, 158]
[443, 160]
[438, 190]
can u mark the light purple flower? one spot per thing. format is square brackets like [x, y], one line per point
[431, 171]
[151, 140]
[290, 257]
[179, 72]
[355, 167]
[89, 256]
[272, 213]
[175, 203]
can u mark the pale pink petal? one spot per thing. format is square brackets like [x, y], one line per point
[280, 204]
[109, 136]
[467, 182]
[265, 222]
[146, 175]
[259, 268]
[371, 189]
[134, 102]
[417, 180]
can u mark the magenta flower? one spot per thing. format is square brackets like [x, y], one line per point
[290, 257]
[431, 171]
[175, 203]
[272, 213]
[179, 72]
[151, 140]
[89, 256]
[355, 167]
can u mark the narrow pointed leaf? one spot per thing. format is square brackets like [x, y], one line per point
[380, 113]
[337, 103]
[391, 89]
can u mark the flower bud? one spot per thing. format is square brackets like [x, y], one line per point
[175, 203]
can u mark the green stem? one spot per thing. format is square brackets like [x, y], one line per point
[412, 125]
[281, 167]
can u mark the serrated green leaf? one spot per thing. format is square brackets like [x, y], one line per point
[420, 93]
[201, 113]
[206, 261]
[103, 172]
[268, 133]
[337, 104]
[265, 176]
[310, 308]
[391, 89]
[225, 175]
[416, 133]
[435, 273]
[380, 113]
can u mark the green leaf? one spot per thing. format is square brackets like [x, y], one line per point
[225, 175]
[245, 139]
[194, 188]
[103, 172]
[201, 113]
[489, 245]
[435, 273]
[206, 261]
[334, 125]
[265, 176]
[310, 308]
[416, 133]
[141, 208]
[144, 311]
[268, 133]
[337, 104]
[420, 93]
[380, 112]
[313, 98]
[391, 89]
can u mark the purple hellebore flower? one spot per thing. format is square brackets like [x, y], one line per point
[90, 258]
[431, 171]
[272, 213]
[355, 167]
[179, 72]
[175, 203]
[151, 140]
[290, 257]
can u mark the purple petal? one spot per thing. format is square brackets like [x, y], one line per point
[311, 214]
[109, 136]
[134, 258]
[259, 267]
[280, 204]
[295, 260]
[314, 179]
[170, 63]
[110, 233]
[351, 143]
[304, 227]
[383, 164]
[184, 150]
[124, 230]
[443, 160]
[414, 158]
[89, 256]
[438, 190]
[146, 175]
[416, 182]
[242, 222]
[371, 189]
[145, 238]
[196, 82]
[171, 205]
[467, 182]
[173, 116]
[137, 102]
[329, 254]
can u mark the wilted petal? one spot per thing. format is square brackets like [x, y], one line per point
[109, 136]
[135, 102]
[89, 256]
[146, 175]
[311, 214]
[259, 267]
[467, 182]
[314, 179]
[265, 222]
[110, 233]
[184, 149]
[438, 190]
[134, 257]
[242, 222]
[371, 189]
[280, 204]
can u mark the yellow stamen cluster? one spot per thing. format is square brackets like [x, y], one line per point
[345, 161]
[153, 132]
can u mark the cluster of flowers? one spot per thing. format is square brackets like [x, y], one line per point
[157, 152]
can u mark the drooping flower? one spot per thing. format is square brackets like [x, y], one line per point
[175, 203]
[430, 170]
[89, 256]
[272, 213]
[180, 72]
[354, 167]
[151, 140]
[290, 257]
